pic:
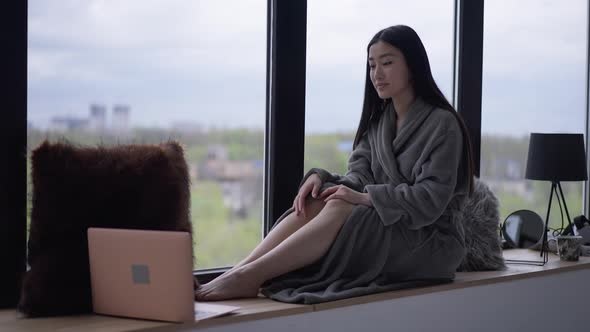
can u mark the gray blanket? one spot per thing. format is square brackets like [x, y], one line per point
[411, 236]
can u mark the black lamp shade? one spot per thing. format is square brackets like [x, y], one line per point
[556, 157]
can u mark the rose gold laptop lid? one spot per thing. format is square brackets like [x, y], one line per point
[142, 274]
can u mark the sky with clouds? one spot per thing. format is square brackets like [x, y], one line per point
[203, 62]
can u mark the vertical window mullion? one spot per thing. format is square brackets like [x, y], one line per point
[285, 128]
[469, 70]
[586, 190]
[13, 177]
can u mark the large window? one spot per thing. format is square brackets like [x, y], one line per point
[133, 71]
[336, 59]
[534, 64]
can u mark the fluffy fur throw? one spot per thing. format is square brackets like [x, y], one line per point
[481, 222]
[133, 186]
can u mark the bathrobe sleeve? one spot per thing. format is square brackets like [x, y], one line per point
[423, 202]
[359, 171]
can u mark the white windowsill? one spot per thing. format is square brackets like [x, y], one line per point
[262, 308]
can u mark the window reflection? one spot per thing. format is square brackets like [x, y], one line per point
[336, 59]
[112, 72]
[533, 81]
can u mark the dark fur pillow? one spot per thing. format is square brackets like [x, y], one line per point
[133, 186]
[481, 222]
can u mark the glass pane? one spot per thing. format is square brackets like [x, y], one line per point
[145, 72]
[336, 61]
[533, 81]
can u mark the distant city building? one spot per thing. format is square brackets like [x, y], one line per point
[217, 152]
[98, 117]
[96, 120]
[121, 115]
[240, 180]
[68, 123]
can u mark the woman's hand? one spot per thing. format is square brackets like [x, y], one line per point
[344, 193]
[311, 185]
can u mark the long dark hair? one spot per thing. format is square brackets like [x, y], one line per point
[407, 41]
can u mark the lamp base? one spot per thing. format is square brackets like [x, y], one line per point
[544, 254]
[544, 245]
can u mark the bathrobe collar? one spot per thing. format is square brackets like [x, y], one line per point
[390, 142]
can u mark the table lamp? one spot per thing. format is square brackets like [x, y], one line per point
[556, 158]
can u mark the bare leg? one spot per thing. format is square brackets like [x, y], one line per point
[302, 248]
[283, 230]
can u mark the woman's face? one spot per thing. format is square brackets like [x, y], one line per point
[388, 70]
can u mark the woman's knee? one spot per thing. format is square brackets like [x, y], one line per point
[313, 206]
[339, 204]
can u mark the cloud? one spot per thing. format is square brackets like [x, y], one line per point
[173, 35]
[205, 60]
[338, 32]
[162, 57]
[144, 23]
[336, 52]
[534, 37]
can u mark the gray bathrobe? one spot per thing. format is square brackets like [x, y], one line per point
[411, 236]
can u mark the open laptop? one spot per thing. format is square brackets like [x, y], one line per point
[145, 274]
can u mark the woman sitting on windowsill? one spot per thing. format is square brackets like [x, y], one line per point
[391, 221]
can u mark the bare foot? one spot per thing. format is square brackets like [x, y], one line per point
[237, 284]
[232, 269]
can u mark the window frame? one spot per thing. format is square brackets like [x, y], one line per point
[285, 120]
[13, 133]
[469, 16]
[586, 190]
[285, 112]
